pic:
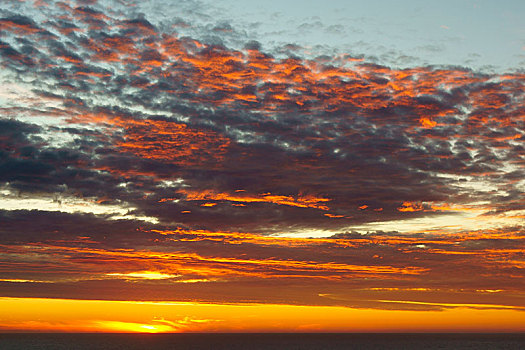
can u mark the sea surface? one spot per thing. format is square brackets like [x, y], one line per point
[288, 341]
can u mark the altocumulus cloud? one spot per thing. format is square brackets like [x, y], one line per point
[219, 166]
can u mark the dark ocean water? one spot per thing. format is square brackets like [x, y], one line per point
[260, 341]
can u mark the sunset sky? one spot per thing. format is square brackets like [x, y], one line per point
[276, 166]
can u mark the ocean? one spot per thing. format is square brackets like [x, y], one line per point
[288, 341]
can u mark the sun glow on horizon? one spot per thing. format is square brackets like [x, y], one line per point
[150, 275]
[131, 327]
[64, 315]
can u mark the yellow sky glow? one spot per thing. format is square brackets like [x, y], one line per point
[61, 315]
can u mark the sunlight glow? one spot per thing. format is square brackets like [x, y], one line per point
[64, 315]
[150, 275]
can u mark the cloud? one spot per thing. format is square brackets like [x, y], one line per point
[83, 256]
[229, 152]
[247, 106]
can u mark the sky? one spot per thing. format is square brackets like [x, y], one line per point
[233, 166]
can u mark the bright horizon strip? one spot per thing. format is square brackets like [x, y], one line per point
[67, 315]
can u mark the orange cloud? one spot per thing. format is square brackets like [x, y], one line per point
[19, 26]
[302, 201]
[408, 206]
